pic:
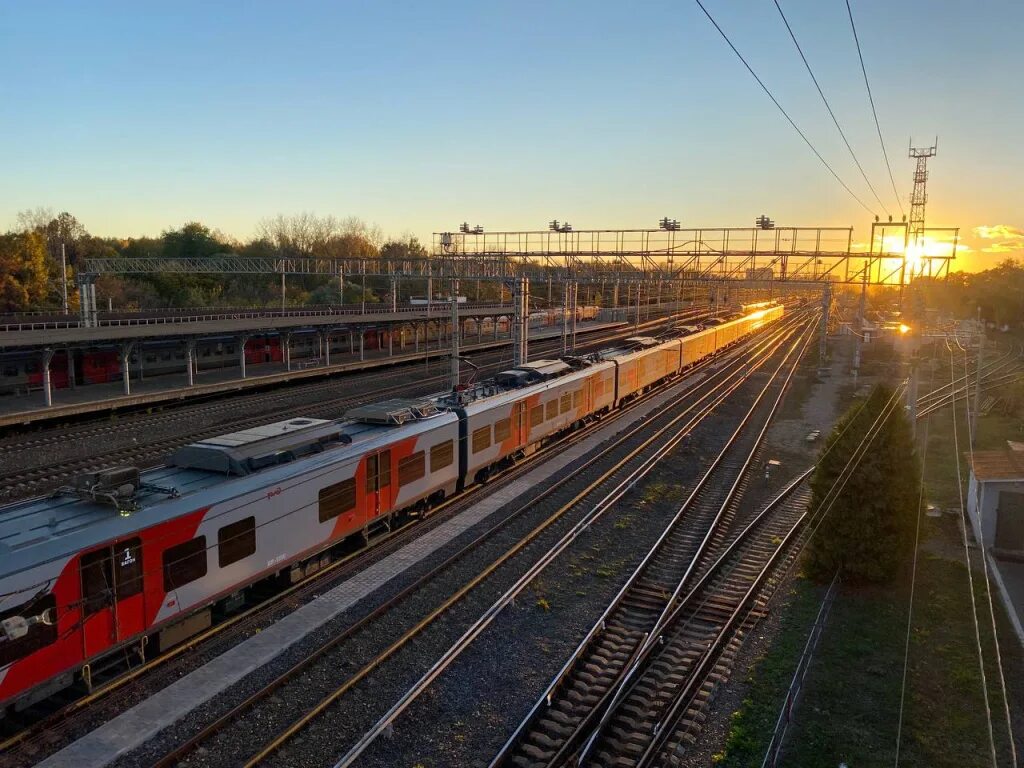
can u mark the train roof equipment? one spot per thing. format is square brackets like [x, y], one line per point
[120, 488]
[248, 450]
[531, 373]
[395, 412]
[642, 341]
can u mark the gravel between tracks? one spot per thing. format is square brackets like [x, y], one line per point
[469, 713]
[364, 702]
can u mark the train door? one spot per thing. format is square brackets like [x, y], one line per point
[519, 425]
[378, 483]
[112, 595]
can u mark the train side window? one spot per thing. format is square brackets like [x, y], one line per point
[371, 473]
[577, 398]
[552, 409]
[481, 439]
[38, 635]
[567, 402]
[128, 568]
[184, 563]
[236, 541]
[385, 468]
[97, 580]
[411, 468]
[150, 357]
[502, 430]
[442, 455]
[337, 499]
[536, 415]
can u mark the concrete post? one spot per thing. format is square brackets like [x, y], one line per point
[826, 305]
[391, 341]
[362, 338]
[72, 379]
[351, 343]
[126, 353]
[47, 383]
[416, 337]
[241, 355]
[326, 341]
[190, 357]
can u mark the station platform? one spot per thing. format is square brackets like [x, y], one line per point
[26, 409]
[39, 335]
[134, 727]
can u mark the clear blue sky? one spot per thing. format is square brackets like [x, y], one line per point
[139, 116]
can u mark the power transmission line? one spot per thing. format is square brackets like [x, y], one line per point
[967, 558]
[871, 99]
[783, 111]
[829, 107]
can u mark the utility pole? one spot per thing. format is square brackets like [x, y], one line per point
[565, 317]
[574, 291]
[636, 324]
[521, 321]
[826, 305]
[455, 335]
[912, 392]
[977, 380]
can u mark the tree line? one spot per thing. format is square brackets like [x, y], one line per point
[35, 255]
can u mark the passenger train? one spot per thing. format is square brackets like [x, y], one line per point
[122, 559]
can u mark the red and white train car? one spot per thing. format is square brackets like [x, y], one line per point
[121, 558]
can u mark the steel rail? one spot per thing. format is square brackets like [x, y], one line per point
[584, 649]
[485, 620]
[55, 719]
[214, 727]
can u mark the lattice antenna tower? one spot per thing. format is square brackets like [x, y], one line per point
[919, 197]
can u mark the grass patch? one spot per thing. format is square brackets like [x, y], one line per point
[850, 705]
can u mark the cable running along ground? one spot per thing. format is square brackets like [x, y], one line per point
[829, 107]
[783, 111]
[871, 99]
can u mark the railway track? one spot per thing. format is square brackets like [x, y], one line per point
[659, 712]
[382, 640]
[51, 727]
[700, 529]
[49, 474]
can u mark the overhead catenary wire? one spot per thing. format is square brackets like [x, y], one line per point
[913, 580]
[783, 111]
[874, 112]
[973, 430]
[970, 576]
[828, 106]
